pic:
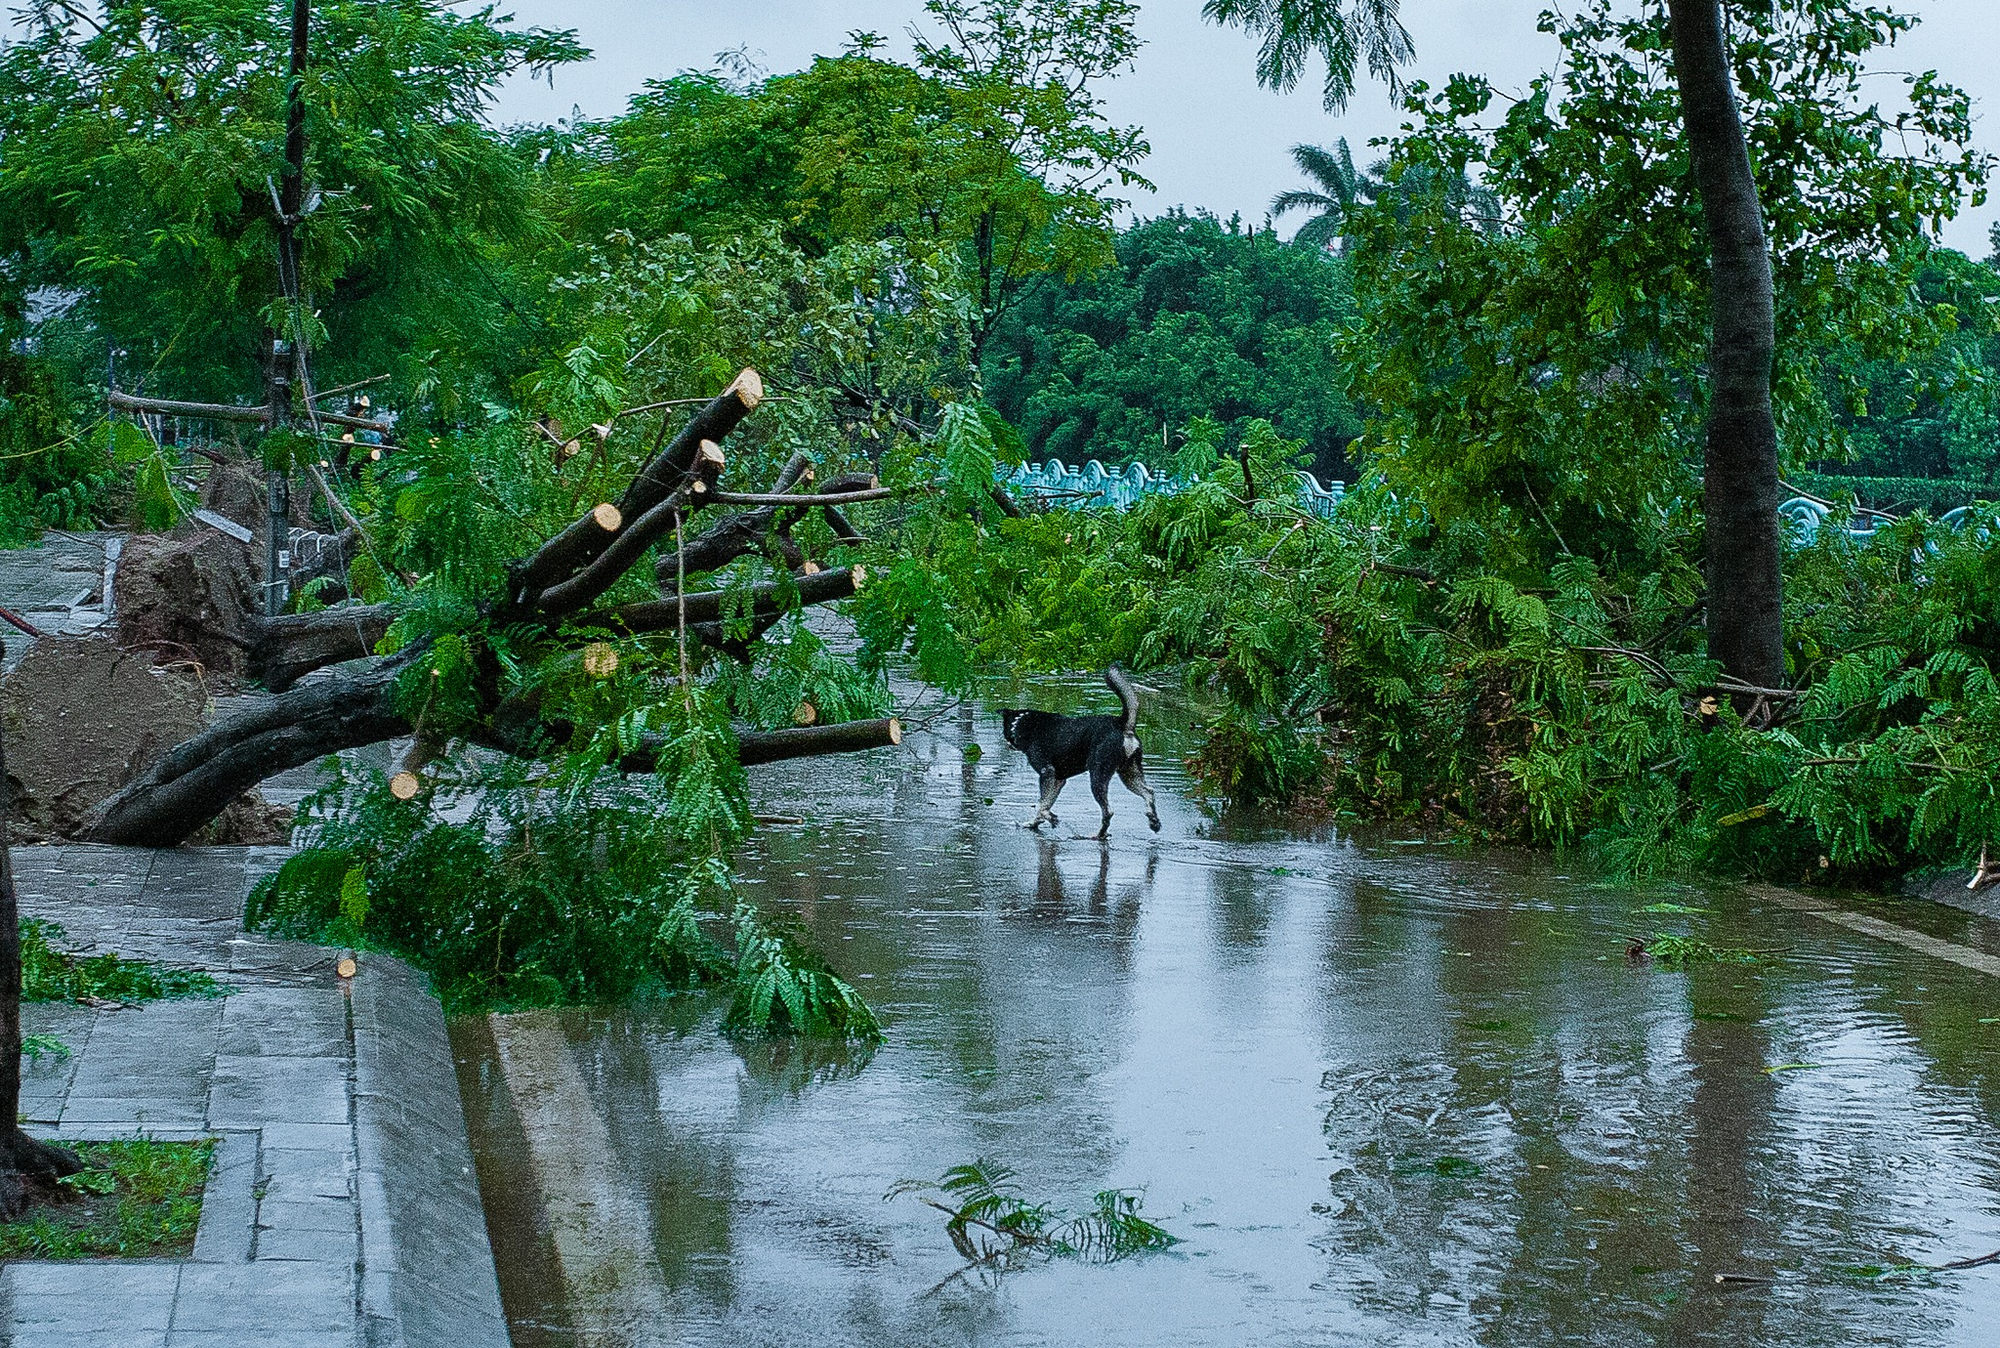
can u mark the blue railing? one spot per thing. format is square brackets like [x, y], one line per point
[1056, 483]
[1094, 485]
[1807, 516]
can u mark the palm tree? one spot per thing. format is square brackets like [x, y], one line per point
[1340, 189]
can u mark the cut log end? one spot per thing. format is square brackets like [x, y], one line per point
[698, 487]
[748, 386]
[712, 453]
[600, 660]
[405, 785]
[805, 714]
[895, 730]
[607, 517]
[810, 568]
[860, 576]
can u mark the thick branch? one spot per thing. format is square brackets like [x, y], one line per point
[192, 783]
[842, 737]
[771, 746]
[286, 648]
[743, 533]
[770, 599]
[126, 402]
[633, 540]
[583, 542]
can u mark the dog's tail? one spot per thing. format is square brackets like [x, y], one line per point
[1115, 680]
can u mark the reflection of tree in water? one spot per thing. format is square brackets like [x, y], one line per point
[1244, 900]
[1509, 1134]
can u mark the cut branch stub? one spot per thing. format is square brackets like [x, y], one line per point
[607, 517]
[841, 737]
[405, 785]
[576, 547]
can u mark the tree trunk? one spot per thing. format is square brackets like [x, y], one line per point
[1740, 488]
[28, 1168]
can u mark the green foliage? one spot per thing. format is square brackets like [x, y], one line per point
[140, 148]
[1376, 665]
[35, 1047]
[1343, 33]
[51, 974]
[51, 474]
[547, 894]
[783, 985]
[1545, 379]
[990, 1223]
[136, 1199]
[1196, 319]
[1934, 414]
[557, 885]
[1671, 951]
[1894, 495]
[988, 156]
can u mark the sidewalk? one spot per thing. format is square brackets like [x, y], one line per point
[342, 1209]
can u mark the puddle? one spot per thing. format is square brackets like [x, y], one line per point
[1384, 1094]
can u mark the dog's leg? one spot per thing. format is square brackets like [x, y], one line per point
[1045, 813]
[1100, 787]
[1133, 774]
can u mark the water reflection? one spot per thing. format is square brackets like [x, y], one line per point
[1386, 1095]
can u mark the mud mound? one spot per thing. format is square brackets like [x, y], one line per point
[82, 718]
[186, 596]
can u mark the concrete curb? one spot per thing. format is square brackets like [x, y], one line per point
[427, 1275]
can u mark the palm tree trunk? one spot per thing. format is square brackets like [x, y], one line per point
[1741, 489]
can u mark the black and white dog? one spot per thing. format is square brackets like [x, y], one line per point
[1060, 747]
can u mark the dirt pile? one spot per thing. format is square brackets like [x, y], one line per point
[188, 595]
[84, 717]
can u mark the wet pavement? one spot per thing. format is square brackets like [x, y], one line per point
[56, 587]
[340, 1209]
[1384, 1094]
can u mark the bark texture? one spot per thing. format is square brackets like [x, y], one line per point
[29, 1169]
[1740, 486]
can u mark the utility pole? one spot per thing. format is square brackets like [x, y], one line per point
[286, 359]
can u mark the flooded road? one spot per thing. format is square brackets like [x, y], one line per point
[1384, 1094]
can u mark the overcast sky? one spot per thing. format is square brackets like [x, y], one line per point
[1219, 140]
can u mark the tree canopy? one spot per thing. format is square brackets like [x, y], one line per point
[1197, 318]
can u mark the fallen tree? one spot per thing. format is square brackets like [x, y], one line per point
[549, 601]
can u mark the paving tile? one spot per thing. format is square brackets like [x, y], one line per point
[265, 1299]
[78, 1298]
[309, 1137]
[229, 1202]
[86, 1111]
[157, 1056]
[122, 1129]
[249, 1091]
[257, 954]
[264, 1339]
[305, 1214]
[293, 1175]
[331, 1247]
[281, 1021]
